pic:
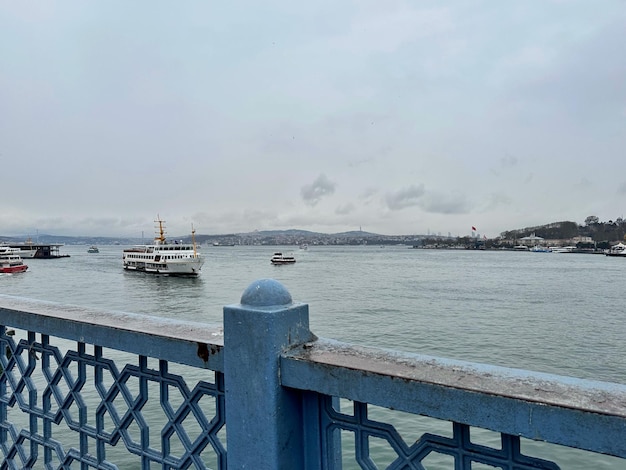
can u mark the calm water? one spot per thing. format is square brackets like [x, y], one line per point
[556, 313]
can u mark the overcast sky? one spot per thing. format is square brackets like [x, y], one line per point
[399, 117]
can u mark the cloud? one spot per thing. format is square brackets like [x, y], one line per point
[428, 201]
[584, 183]
[445, 203]
[406, 197]
[387, 28]
[497, 199]
[368, 193]
[508, 161]
[345, 209]
[505, 163]
[312, 193]
[360, 162]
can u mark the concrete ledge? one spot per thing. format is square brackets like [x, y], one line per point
[563, 410]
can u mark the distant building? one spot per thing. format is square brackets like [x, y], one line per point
[531, 240]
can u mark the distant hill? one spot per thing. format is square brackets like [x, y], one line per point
[357, 233]
[307, 233]
[609, 231]
[598, 231]
[552, 231]
[274, 233]
[260, 236]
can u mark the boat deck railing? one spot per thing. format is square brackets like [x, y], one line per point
[84, 388]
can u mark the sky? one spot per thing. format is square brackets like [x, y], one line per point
[394, 117]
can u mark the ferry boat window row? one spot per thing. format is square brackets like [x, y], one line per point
[175, 247]
[137, 256]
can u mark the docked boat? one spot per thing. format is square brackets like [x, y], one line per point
[564, 249]
[39, 250]
[616, 250]
[28, 250]
[163, 257]
[279, 258]
[11, 261]
[93, 249]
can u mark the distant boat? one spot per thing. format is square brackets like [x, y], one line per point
[162, 257]
[279, 258]
[564, 249]
[93, 249]
[39, 250]
[11, 261]
[616, 250]
[223, 244]
[540, 249]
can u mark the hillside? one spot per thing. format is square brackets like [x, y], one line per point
[598, 231]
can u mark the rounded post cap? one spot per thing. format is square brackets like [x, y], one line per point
[266, 293]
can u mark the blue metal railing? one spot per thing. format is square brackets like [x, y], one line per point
[81, 388]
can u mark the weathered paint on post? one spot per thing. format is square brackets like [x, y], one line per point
[264, 419]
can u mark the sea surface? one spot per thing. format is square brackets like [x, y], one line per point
[561, 313]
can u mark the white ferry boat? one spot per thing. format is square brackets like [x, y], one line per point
[163, 257]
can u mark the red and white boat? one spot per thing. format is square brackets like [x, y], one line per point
[11, 261]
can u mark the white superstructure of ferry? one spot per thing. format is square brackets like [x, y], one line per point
[163, 257]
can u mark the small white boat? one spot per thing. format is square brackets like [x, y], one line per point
[93, 249]
[279, 258]
[162, 257]
[616, 250]
[541, 249]
[564, 249]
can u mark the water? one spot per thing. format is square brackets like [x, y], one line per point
[555, 313]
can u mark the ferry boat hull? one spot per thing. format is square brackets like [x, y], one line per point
[27, 253]
[174, 267]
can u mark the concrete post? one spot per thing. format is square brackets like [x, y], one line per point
[263, 419]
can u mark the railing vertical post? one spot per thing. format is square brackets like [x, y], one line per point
[263, 419]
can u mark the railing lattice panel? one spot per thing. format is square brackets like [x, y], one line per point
[42, 387]
[411, 457]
